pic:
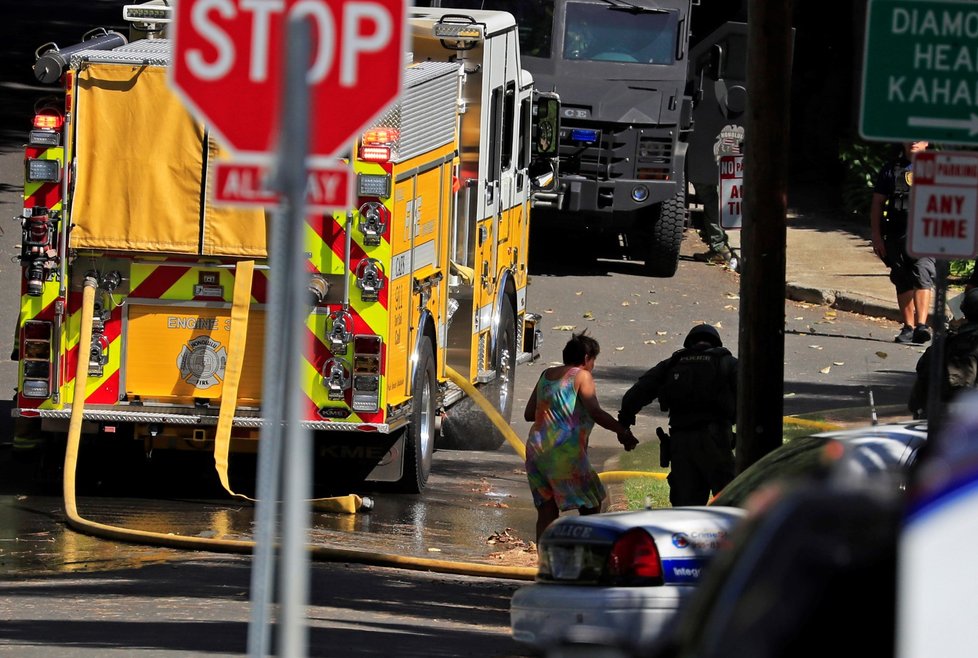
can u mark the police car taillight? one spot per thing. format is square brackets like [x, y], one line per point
[634, 559]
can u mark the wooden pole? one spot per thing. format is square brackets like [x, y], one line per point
[760, 401]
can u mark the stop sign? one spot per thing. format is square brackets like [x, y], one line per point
[228, 59]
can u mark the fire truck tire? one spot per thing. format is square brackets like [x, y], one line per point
[419, 435]
[665, 237]
[466, 426]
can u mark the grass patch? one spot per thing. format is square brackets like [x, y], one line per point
[648, 492]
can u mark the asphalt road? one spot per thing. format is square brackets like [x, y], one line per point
[67, 595]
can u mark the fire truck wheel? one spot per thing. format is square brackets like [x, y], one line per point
[466, 426]
[419, 435]
[666, 236]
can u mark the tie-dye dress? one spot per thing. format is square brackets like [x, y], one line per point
[557, 465]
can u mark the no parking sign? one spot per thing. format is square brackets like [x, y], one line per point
[731, 191]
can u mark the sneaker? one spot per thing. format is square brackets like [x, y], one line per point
[906, 335]
[921, 334]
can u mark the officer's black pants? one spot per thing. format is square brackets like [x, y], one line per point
[702, 461]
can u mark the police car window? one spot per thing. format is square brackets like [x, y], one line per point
[606, 33]
[801, 457]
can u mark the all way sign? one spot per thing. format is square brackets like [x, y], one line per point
[247, 184]
[944, 205]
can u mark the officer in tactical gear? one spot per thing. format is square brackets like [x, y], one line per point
[912, 277]
[697, 387]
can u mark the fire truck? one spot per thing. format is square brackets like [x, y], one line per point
[417, 293]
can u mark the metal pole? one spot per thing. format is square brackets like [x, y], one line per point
[285, 233]
[297, 489]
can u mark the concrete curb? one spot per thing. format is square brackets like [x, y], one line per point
[844, 301]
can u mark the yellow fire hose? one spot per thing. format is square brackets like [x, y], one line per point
[345, 503]
[116, 533]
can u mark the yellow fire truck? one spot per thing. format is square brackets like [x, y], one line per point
[424, 278]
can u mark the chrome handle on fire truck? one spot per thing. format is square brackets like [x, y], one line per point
[422, 287]
[373, 222]
[370, 278]
[340, 333]
[336, 378]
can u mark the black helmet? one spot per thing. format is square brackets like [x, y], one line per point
[969, 305]
[703, 333]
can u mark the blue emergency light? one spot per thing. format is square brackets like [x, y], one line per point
[584, 135]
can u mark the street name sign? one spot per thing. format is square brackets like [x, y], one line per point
[920, 72]
[731, 191]
[943, 205]
[228, 67]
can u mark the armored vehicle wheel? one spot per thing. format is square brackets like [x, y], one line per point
[666, 236]
[466, 427]
[419, 435]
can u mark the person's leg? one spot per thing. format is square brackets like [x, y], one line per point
[905, 300]
[687, 486]
[925, 272]
[921, 305]
[712, 233]
[547, 513]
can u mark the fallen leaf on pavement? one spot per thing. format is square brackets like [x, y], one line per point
[650, 342]
[662, 333]
[815, 347]
[825, 370]
[564, 327]
[620, 348]
[838, 363]
[882, 355]
[626, 303]
[588, 315]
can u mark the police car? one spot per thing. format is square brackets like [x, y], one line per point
[618, 578]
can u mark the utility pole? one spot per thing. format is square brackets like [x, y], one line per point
[760, 384]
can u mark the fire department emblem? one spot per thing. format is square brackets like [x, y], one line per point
[908, 176]
[202, 362]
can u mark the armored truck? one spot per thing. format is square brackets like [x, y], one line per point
[633, 81]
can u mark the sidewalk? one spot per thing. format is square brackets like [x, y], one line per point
[830, 260]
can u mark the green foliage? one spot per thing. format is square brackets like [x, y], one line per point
[861, 161]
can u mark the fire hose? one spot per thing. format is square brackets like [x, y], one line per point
[349, 504]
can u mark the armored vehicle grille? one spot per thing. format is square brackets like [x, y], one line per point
[615, 152]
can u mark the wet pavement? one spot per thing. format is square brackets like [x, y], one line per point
[476, 509]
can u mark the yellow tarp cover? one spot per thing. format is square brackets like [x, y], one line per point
[139, 178]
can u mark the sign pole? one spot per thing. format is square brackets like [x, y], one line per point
[287, 297]
[297, 489]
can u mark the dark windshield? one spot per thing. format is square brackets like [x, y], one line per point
[802, 457]
[613, 33]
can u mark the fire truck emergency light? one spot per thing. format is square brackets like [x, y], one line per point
[48, 121]
[147, 14]
[459, 31]
[43, 171]
[378, 185]
[375, 153]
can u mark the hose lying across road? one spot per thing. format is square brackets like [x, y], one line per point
[322, 553]
[77, 522]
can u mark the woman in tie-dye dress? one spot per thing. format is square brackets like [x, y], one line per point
[563, 409]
